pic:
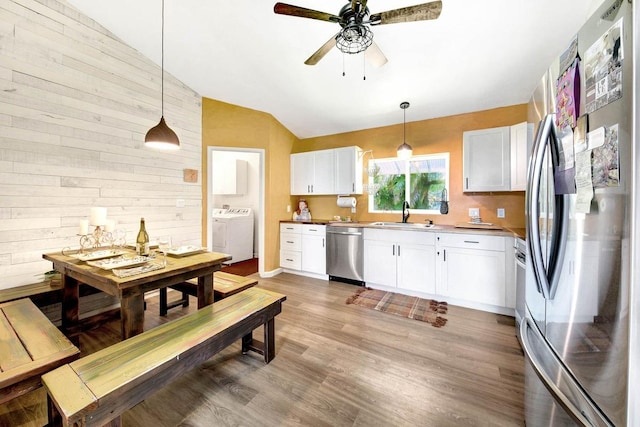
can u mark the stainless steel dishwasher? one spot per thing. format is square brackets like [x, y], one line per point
[345, 254]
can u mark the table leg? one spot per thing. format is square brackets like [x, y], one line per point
[132, 315]
[70, 297]
[205, 290]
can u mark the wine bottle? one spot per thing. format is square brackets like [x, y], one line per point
[142, 241]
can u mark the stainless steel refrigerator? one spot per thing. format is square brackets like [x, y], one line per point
[581, 326]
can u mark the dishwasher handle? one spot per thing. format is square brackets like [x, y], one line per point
[346, 233]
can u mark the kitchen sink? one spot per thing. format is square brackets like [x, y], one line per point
[402, 224]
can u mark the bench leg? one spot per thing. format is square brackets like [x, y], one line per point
[163, 301]
[266, 348]
[185, 299]
[269, 340]
[55, 419]
[165, 306]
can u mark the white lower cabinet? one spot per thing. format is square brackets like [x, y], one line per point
[291, 246]
[400, 259]
[471, 267]
[303, 248]
[314, 255]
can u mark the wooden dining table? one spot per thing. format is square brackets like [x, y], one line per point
[130, 290]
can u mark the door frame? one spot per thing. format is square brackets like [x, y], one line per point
[261, 199]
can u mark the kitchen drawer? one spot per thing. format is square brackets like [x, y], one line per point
[401, 236]
[313, 229]
[290, 242]
[291, 228]
[290, 259]
[471, 241]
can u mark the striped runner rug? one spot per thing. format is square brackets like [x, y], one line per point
[425, 310]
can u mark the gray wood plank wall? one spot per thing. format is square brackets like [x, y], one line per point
[75, 104]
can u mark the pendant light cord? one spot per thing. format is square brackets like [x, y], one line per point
[404, 125]
[162, 63]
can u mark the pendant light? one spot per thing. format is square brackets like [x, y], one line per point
[404, 150]
[161, 135]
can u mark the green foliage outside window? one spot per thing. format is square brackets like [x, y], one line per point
[426, 176]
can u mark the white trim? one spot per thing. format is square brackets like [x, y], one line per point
[261, 196]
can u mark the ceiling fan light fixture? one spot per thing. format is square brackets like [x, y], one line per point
[354, 38]
[404, 150]
[161, 136]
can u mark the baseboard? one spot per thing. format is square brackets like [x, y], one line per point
[271, 273]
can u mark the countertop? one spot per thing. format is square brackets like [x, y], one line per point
[505, 231]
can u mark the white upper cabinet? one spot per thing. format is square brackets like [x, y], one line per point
[229, 176]
[322, 172]
[486, 158]
[313, 172]
[348, 170]
[521, 140]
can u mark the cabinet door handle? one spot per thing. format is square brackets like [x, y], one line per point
[393, 250]
[471, 241]
[444, 254]
[289, 241]
[353, 187]
[398, 250]
[466, 185]
[323, 242]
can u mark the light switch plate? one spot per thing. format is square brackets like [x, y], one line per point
[500, 212]
[474, 212]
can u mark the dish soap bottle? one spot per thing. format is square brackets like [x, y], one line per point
[142, 241]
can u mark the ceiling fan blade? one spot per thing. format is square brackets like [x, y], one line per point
[374, 55]
[287, 9]
[320, 53]
[419, 12]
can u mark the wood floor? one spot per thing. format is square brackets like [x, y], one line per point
[335, 365]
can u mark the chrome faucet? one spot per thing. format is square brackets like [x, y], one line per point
[405, 211]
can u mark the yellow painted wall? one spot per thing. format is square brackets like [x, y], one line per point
[426, 137]
[227, 125]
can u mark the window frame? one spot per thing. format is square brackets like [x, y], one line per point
[373, 163]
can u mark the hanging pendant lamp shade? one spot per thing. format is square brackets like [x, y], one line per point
[161, 136]
[404, 150]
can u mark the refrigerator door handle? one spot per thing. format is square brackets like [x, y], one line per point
[587, 414]
[546, 278]
[532, 206]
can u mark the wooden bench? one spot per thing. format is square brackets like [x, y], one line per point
[30, 345]
[98, 388]
[35, 291]
[224, 285]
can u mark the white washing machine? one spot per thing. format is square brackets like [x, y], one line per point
[232, 233]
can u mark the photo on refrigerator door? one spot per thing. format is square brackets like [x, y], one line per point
[603, 69]
[606, 161]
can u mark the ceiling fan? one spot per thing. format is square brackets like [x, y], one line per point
[355, 36]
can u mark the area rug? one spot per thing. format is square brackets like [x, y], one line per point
[425, 310]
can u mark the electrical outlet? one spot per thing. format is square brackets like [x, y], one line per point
[179, 203]
[500, 212]
[289, 208]
[474, 212]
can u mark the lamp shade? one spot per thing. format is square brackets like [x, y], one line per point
[161, 136]
[404, 151]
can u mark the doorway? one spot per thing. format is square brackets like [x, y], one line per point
[251, 197]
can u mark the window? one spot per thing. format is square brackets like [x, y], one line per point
[419, 180]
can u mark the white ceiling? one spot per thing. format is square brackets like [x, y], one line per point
[479, 54]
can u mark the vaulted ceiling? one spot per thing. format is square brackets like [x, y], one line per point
[477, 55]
